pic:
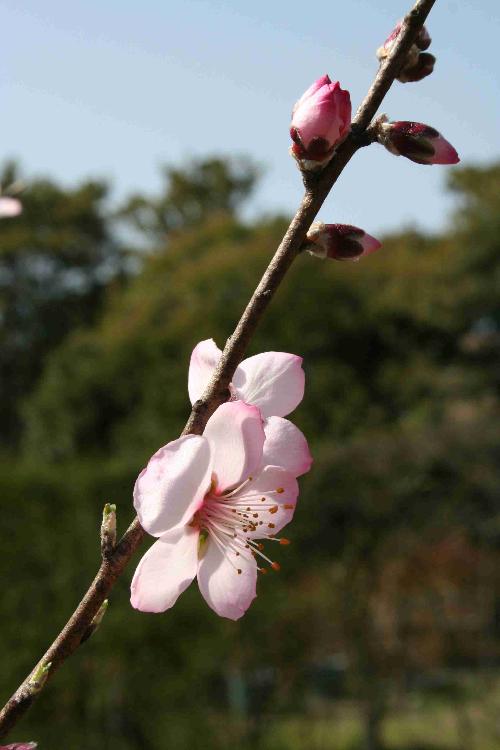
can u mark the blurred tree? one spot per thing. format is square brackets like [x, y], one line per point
[56, 259]
[393, 568]
[192, 194]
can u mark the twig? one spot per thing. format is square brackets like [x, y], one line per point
[317, 188]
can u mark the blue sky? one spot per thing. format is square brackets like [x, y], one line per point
[116, 88]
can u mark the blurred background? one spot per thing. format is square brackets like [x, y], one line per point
[144, 231]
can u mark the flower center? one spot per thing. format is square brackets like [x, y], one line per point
[234, 520]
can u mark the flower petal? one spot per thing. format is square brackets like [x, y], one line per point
[226, 591]
[203, 362]
[444, 153]
[236, 437]
[285, 446]
[273, 381]
[165, 571]
[278, 491]
[173, 484]
[9, 206]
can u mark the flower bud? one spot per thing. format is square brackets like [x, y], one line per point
[9, 206]
[421, 68]
[339, 241]
[416, 65]
[321, 119]
[20, 746]
[421, 42]
[418, 142]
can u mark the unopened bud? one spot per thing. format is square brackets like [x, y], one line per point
[416, 65]
[421, 42]
[39, 677]
[108, 529]
[421, 68]
[339, 241]
[418, 142]
[321, 119]
[96, 621]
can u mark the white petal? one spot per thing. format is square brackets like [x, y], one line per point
[165, 571]
[203, 362]
[285, 446]
[173, 484]
[273, 381]
[226, 591]
[236, 438]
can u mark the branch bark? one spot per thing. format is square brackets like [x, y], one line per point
[316, 190]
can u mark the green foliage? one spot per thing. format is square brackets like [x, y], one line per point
[191, 195]
[56, 260]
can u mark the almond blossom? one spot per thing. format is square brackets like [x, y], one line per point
[19, 746]
[273, 381]
[211, 501]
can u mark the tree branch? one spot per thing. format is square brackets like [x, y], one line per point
[316, 190]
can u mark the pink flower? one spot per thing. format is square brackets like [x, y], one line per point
[339, 241]
[9, 207]
[19, 746]
[273, 381]
[321, 119]
[209, 499]
[418, 142]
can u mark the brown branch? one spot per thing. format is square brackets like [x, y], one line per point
[317, 188]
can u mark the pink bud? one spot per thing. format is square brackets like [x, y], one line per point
[9, 207]
[420, 68]
[19, 746]
[418, 142]
[422, 41]
[321, 119]
[339, 241]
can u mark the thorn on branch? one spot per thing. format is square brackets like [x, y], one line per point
[108, 530]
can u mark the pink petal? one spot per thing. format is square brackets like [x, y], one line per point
[173, 484]
[311, 90]
[285, 446]
[226, 591]
[236, 437]
[369, 243]
[165, 571]
[20, 746]
[203, 362]
[444, 153]
[9, 207]
[273, 381]
[268, 485]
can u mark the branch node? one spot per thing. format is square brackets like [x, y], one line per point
[108, 530]
[96, 621]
